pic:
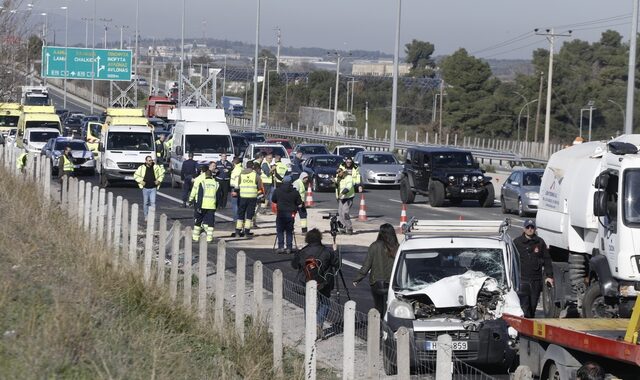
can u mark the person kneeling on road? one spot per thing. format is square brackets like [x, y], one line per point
[320, 263]
[204, 198]
[249, 186]
[289, 202]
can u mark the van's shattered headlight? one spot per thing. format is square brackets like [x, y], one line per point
[401, 310]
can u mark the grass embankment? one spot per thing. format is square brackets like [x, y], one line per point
[65, 313]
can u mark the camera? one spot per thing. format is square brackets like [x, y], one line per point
[334, 223]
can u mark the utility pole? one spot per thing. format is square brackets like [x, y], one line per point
[255, 71]
[366, 120]
[93, 55]
[535, 135]
[394, 93]
[264, 81]
[551, 36]
[628, 123]
[86, 31]
[440, 122]
[122, 28]
[278, 38]
[335, 102]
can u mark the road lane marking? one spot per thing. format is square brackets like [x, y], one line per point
[395, 200]
[223, 217]
[351, 264]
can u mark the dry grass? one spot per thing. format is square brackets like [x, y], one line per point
[65, 313]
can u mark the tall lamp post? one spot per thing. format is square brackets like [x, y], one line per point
[66, 55]
[590, 107]
[122, 28]
[44, 41]
[624, 116]
[335, 95]
[86, 30]
[520, 115]
[394, 95]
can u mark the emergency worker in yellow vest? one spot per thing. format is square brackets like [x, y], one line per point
[345, 193]
[353, 169]
[233, 182]
[301, 186]
[249, 186]
[267, 180]
[160, 150]
[149, 177]
[280, 170]
[66, 167]
[21, 161]
[204, 199]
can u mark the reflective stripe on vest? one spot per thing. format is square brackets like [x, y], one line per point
[68, 165]
[248, 185]
[210, 188]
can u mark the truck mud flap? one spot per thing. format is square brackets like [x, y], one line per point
[608, 284]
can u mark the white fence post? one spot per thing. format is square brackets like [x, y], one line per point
[402, 352]
[349, 341]
[80, 208]
[311, 299]
[258, 294]
[101, 214]
[202, 278]
[117, 234]
[162, 249]
[277, 322]
[148, 244]
[175, 253]
[95, 194]
[241, 269]
[88, 187]
[47, 184]
[133, 235]
[72, 196]
[187, 268]
[220, 267]
[373, 344]
[109, 231]
[443, 358]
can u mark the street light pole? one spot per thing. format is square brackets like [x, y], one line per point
[335, 101]
[93, 55]
[591, 108]
[180, 84]
[44, 42]
[135, 85]
[255, 70]
[394, 96]
[86, 31]
[520, 115]
[66, 55]
[631, 81]
[621, 110]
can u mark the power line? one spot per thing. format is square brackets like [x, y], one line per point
[514, 49]
[602, 26]
[504, 43]
[597, 21]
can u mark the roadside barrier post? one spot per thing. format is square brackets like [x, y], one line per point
[220, 267]
[402, 359]
[109, 232]
[175, 252]
[373, 344]
[87, 205]
[72, 196]
[133, 235]
[241, 269]
[257, 290]
[277, 322]
[443, 358]
[202, 279]
[117, 234]
[94, 211]
[187, 268]
[80, 208]
[64, 189]
[148, 244]
[162, 249]
[349, 341]
[310, 330]
[102, 212]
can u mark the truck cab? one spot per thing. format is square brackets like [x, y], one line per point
[456, 278]
[41, 118]
[35, 96]
[125, 140]
[9, 116]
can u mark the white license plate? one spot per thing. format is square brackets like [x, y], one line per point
[128, 178]
[457, 346]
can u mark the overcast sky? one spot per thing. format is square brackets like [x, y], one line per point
[356, 24]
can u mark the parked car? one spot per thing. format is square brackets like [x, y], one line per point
[285, 143]
[378, 168]
[240, 144]
[520, 192]
[254, 137]
[310, 150]
[444, 173]
[322, 170]
[347, 150]
[82, 156]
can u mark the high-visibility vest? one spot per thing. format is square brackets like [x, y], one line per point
[169, 143]
[345, 183]
[354, 171]
[299, 185]
[158, 172]
[196, 185]
[209, 190]
[21, 161]
[249, 185]
[235, 175]
[281, 169]
[67, 164]
[265, 176]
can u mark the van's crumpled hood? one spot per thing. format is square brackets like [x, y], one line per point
[462, 291]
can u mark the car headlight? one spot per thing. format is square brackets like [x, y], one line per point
[532, 195]
[465, 178]
[111, 163]
[480, 178]
[323, 175]
[371, 173]
[451, 178]
[474, 178]
[401, 310]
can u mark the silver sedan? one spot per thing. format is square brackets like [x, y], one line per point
[520, 191]
[378, 168]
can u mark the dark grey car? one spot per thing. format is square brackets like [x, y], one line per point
[520, 191]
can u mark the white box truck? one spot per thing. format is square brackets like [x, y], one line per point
[589, 215]
[201, 131]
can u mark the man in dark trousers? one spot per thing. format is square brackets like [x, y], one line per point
[534, 258]
[289, 202]
[187, 174]
[224, 176]
[66, 164]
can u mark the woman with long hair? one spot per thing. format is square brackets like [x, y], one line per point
[378, 265]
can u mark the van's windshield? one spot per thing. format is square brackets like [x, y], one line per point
[43, 136]
[9, 120]
[418, 268]
[42, 124]
[130, 141]
[208, 144]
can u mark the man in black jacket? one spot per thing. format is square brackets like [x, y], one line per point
[328, 264]
[187, 174]
[288, 200]
[534, 258]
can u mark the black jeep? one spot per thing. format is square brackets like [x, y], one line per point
[444, 173]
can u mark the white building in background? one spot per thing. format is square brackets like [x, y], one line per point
[379, 68]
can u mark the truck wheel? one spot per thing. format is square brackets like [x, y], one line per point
[523, 372]
[436, 194]
[594, 305]
[551, 310]
[505, 210]
[552, 372]
[489, 198]
[407, 196]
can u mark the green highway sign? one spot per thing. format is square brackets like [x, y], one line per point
[82, 63]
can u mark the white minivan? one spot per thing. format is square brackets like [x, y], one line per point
[201, 131]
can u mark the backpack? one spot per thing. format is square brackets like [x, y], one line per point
[311, 270]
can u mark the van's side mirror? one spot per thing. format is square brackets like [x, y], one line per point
[600, 203]
[101, 147]
[179, 150]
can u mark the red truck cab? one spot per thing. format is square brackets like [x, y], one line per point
[159, 106]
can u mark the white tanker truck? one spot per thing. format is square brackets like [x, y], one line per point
[589, 215]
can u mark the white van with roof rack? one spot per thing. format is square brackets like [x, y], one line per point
[455, 278]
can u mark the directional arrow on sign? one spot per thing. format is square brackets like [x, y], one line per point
[73, 73]
[48, 55]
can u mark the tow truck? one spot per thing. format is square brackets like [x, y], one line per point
[556, 348]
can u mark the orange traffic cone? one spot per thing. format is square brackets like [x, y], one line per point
[308, 202]
[403, 216]
[362, 214]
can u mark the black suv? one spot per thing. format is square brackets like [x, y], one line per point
[444, 173]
